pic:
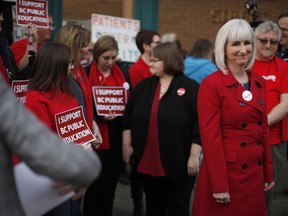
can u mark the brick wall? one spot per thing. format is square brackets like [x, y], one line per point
[82, 9]
[194, 19]
[190, 19]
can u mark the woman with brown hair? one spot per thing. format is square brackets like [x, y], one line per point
[49, 94]
[99, 196]
[161, 134]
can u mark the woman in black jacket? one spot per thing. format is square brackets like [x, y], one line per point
[161, 133]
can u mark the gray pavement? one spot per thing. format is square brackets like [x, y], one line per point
[280, 204]
[123, 203]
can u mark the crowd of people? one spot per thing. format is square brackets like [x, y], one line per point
[214, 120]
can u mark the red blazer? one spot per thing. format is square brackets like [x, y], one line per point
[237, 157]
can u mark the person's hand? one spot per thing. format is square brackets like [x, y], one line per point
[86, 146]
[98, 141]
[268, 186]
[110, 117]
[64, 188]
[193, 165]
[127, 151]
[34, 32]
[223, 197]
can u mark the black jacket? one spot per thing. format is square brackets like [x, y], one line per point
[177, 124]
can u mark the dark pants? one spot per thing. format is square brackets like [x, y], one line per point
[99, 197]
[67, 208]
[136, 190]
[164, 197]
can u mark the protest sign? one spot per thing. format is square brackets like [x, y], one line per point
[123, 30]
[72, 127]
[19, 32]
[20, 89]
[109, 99]
[32, 11]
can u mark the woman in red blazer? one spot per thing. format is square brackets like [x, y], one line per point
[237, 165]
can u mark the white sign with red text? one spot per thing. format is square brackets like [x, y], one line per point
[32, 11]
[20, 89]
[123, 30]
[109, 100]
[72, 127]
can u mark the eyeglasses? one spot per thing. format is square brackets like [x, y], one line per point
[284, 29]
[154, 60]
[266, 41]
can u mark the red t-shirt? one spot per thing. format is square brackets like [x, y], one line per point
[139, 71]
[151, 162]
[45, 107]
[19, 48]
[276, 84]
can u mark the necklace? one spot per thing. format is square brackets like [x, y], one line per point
[163, 90]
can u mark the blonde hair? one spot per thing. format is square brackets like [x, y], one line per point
[76, 37]
[233, 30]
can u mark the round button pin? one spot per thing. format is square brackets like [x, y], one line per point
[247, 95]
[181, 91]
[126, 85]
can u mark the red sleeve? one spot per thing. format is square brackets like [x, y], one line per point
[39, 105]
[134, 76]
[284, 89]
[19, 48]
[209, 112]
[268, 164]
[284, 80]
